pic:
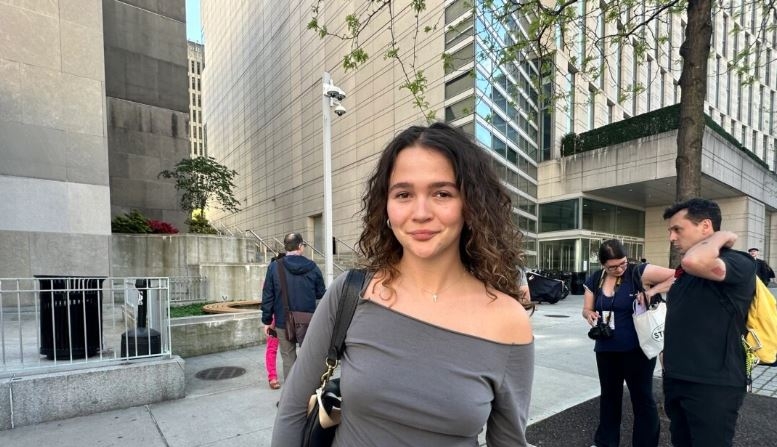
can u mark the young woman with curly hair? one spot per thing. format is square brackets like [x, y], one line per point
[439, 346]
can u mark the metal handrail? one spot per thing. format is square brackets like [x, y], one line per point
[261, 241]
[351, 249]
[319, 253]
[316, 251]
[221, 228]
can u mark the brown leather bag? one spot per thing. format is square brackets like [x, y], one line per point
[297, 325]
[297, 322]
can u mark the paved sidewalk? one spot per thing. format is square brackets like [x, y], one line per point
[240, 411]
[765, 381]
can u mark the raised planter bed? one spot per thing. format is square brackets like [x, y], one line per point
[206, 334]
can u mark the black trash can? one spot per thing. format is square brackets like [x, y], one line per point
[69, 322]
[141, 341]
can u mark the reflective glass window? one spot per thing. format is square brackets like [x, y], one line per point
[458, 85]
[558, 216]
[460, 109]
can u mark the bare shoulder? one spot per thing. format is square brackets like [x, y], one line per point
[510, 321]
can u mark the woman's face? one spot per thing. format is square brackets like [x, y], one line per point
[616, 267]
[424, 205]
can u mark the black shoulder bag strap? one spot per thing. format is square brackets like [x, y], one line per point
[597, 281]
[636, 278]
[284, 291]
[347, 307]
[349, 298]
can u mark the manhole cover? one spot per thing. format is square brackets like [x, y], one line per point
[221, 373]
[557, 316]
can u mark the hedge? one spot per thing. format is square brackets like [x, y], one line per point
[640, 126]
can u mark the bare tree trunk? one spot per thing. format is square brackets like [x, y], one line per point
[695, 52]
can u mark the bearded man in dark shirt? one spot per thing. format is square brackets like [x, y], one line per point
[704, 360]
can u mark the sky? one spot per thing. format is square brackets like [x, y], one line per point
[193, 26]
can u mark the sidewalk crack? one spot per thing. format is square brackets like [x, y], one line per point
[156, 424]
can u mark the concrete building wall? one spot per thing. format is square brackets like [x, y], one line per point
[53, 151]
[263, 112]
[652, 158]
[145, 66]
[656, 236]
[173, 255]
[226, 264]
[642, 160]
[769, 252]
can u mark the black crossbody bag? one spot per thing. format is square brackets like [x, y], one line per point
[324, 405]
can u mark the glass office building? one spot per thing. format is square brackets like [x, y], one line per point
[573, 230]
[497, 104]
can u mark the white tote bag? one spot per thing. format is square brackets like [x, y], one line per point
[649, 325]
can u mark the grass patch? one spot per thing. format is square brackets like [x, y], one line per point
[188, 310]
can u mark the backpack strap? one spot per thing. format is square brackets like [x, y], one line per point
[740, 321]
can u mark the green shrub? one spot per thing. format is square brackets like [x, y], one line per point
[200, 225]
[640, 126]
[133, 222]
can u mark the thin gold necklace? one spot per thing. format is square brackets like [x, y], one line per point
[436, 294]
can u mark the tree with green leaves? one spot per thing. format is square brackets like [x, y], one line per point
[599, 28]
[203, 181]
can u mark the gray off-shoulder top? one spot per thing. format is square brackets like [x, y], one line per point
[405, 382]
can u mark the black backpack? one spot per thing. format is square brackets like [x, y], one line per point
[546, 289]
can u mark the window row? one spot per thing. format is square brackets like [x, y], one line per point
[195, 99]
[196, 132]
[587, 214]
[526, 142]
[195, 67]
[519, 182]
[495, 143]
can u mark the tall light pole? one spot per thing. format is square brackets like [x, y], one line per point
[332, 95]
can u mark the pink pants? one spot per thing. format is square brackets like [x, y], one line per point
[270, 354]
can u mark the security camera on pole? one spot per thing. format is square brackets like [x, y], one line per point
[330, 99]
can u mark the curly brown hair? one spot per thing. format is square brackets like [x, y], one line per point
[490, 243]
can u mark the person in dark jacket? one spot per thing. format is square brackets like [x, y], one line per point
[305, 285]
[762, 268]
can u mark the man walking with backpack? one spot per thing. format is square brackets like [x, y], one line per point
[705, 380]
[304, 284]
